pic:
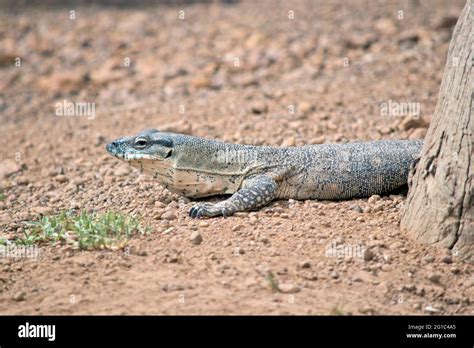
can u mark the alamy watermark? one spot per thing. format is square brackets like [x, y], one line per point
[396, 109]
[68, 108]
[235, 156]
[20, 251]
[344, 251]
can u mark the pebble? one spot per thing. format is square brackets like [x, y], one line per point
[455, 270]
[428, 258]
[8, 167]
[288, 142]
[435, 278]
[259, 107]
[373, 199]
[334, 275]
[237, 228]
[201, 81]
[368, 254]
[23, 181]
[196, 238]
[122, 171]
[42, 210]
[431, 309]
[305, 107]
[19, 296]
[62, 179]
[367, 310]
[356, 208]
[447, 259]
[288, 288]
[305, 264]
[168, 230]
[169, 215]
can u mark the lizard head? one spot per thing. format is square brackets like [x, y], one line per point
[148, 146]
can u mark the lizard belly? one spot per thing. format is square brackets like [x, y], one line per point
[196, 184]
[188, 182]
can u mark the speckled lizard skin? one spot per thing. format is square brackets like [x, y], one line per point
[255, 175]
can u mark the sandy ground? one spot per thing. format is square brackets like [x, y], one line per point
[262, 72]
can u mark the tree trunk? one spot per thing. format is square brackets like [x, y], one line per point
[439, 204]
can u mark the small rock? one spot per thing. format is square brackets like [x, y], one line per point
[455, 270]
[169, 215]
[8, 167]
[305, 107]
[367, 310]
[318, 140]
[368, 254]
[288, 142]
[172, 287]
[356, 208]
[23, 181]
[447, 259]
[196, 238]
[435, 278]
[168, 230]
[334, 275]
[305, 264]
[201, 81]
[62, 179]
[122, 171]
[288, 288]
[373, 199]
[23, 216]
[42, 210]
[259, 107]
[239, 251]
[19, 296]
[428, 258]
[237, 228]
[431, 309]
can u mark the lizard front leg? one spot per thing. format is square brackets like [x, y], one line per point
[256, 192]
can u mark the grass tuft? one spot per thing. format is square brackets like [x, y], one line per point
[85, 231]
[336, 311]
[272, 282]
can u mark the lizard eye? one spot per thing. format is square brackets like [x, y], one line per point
[140, 143]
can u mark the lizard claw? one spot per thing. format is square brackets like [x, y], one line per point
[207, 210]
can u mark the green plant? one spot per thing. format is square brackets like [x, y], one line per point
[272, 281]
[336, 311]
[84, 230]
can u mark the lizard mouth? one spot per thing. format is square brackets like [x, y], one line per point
[139, 156]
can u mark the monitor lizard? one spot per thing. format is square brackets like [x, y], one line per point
[256, 175]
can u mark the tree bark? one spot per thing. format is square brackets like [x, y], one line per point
[439, 206]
